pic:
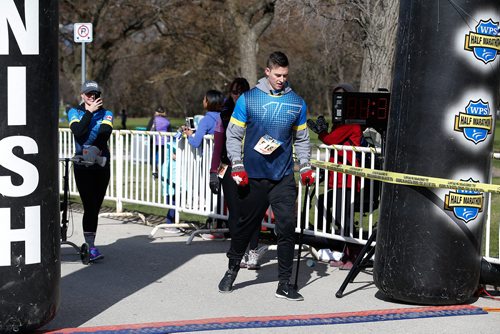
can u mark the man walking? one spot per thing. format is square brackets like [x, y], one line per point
[266, 122]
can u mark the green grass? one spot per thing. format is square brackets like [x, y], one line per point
[133, 123]
[494, 221]
[146, 210]
[496, 145]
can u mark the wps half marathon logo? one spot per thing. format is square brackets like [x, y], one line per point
[476, 123]
[465, 204]
[484, 42]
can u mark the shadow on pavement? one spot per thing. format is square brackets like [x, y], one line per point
[130, 264]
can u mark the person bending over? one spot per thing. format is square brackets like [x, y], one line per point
[348, 135]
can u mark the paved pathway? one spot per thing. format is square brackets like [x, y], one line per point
[141, 280]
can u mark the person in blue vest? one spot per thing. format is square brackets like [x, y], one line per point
[91, 125]
[267, 122]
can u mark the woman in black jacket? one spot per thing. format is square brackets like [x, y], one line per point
[92, 126]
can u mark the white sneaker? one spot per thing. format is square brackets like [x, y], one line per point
[253, 260]
[243, 263]
[326, 255]
[172, 230]
[213, 236]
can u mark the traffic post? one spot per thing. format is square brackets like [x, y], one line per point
[82, 33]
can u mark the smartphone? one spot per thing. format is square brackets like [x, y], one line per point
[97, 95]
[190, 123]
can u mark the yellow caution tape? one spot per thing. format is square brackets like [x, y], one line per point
[407, 179]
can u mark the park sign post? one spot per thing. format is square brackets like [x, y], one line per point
[82, 33]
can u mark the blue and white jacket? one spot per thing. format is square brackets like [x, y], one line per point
[281, 115]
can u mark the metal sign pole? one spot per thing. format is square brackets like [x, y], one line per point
[82, 33]
[84, 67]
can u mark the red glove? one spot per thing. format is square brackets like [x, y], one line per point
[307, 174]
[239, 174]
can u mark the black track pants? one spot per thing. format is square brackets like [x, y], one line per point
[234, 203]
[259, 194]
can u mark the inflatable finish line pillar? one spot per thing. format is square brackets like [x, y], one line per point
[29, 193]
[444, 98]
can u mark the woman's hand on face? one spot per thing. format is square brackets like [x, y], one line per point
[95, 105]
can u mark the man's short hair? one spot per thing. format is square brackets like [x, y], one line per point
[277, 59]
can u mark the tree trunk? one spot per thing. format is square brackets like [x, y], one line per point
[248, 57]
[381, 26]
[249, 31]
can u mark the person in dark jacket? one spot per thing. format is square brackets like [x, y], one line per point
[123, 116]
[220, 171]
[349, 135]
[92, 126]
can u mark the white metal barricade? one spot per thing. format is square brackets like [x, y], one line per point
[360, 224]
[156, 169]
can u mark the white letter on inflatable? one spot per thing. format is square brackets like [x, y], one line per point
[30, 234]
[27, 38]
[27, 171]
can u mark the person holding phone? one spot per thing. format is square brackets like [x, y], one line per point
[190, 123]
[91, 125]
[212, 103]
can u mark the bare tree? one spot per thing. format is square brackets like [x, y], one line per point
[373, 41]
[115, 24]
[251, 19]
[148, 53]
[379, 21]
[323, 46]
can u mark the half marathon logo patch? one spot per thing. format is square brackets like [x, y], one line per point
[465, 204]
[476, 123]
[484, 42]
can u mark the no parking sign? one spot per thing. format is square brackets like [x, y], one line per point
[82, 32]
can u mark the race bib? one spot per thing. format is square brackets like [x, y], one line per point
[267, 145]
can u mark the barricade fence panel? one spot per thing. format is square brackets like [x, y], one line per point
[157, 169]
[354, 219]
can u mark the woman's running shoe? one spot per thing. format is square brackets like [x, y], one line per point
[95, 254]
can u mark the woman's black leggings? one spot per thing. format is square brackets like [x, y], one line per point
[92, 185]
